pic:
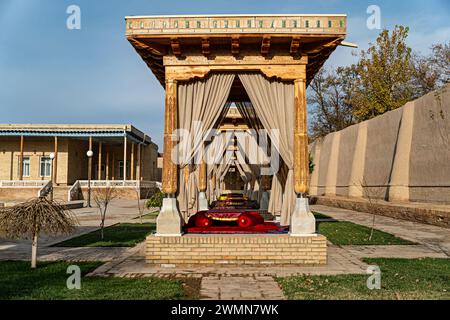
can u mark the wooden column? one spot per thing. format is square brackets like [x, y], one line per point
[138, 164]
[55, 163]
[124, 158]
[170, 179]
[301, 159]
[132, 162]
[142, 163]
[107, 165]
[202, 178]
[21, 159]
[113, 166]
[99, 169]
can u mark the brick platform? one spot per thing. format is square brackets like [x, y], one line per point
[236, 249]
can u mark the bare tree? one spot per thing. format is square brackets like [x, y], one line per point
[374, 196]
[103, 197]
[141, 206]
[329, 98]
[38, 216]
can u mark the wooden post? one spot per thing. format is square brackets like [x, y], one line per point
[55, 163]
[107, 165]
[125, 158]
[132, 162]
[113, 166]
[138, 164]
[202, 183]
[170, 179]
[89, 173]
[21, 159]
[99, 168]
[301, 158]
[142, 162]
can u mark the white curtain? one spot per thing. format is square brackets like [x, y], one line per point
[274, 105]
[200, 104]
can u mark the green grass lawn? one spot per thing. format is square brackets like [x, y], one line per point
[321, 216]
[119, 235]
[400, 279]
[48, 282]
[150, 216]
[348, 233]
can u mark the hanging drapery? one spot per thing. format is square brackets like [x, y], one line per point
[274, 105]
[248, 112]
[215, 154]
[200, 104]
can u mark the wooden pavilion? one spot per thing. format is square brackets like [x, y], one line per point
[264, 60]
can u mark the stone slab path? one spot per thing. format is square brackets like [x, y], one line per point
[240, 288]
[435, 239]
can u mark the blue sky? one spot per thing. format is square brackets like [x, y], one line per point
[49, 74]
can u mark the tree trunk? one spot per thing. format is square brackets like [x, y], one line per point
[34, 245]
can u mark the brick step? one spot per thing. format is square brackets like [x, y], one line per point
[236, 249]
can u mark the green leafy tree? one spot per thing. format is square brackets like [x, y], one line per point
[384, 75]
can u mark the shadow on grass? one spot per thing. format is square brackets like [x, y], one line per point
[348, 233]
[118, 235]
[48, 282]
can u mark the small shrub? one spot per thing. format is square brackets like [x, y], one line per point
[155, 201]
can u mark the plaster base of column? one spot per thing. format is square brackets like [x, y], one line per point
[399, 193]
[302, 221]
[169, 221]
[202, 202]
[264, 204]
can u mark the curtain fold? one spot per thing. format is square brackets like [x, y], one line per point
[200, 105]
[273, 102]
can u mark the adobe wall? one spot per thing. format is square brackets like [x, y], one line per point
[402, 155]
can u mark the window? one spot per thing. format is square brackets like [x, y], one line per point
[121, 169]
[199, 24]
[307, 24]
[238, 24]
[341, 24]
[46, 167]
[25, 166]
[330, 24]
[318, 23]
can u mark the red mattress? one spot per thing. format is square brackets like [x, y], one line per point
[267, 227]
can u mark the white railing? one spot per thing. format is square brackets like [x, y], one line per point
[73, 192]
[23, 183]
[45, 190]
[118, 184]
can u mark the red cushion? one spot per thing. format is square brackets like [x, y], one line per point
[245, 221]
[202, 221]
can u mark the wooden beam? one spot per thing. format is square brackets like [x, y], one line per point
[176, 48]
[235, 45]
[295, 44]
[206, 50]
[265, 46]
